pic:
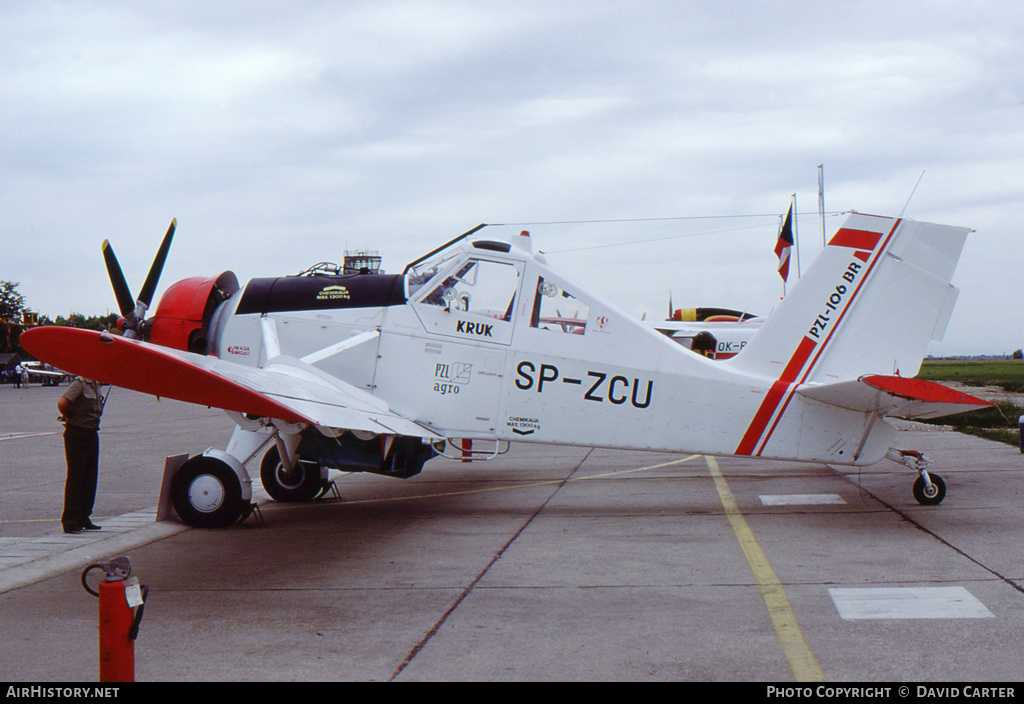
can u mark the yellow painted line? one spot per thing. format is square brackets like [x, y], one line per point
[801, 660]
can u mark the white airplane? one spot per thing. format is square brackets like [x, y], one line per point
[43, 373]
[717, 333]
[380, 373]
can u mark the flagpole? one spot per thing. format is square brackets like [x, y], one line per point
[821, 200]
[796, 237]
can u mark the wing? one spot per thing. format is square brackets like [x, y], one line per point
[286, 388]
[895, 396]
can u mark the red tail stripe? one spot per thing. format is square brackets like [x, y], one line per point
[774, 396]
[761, 418]
[849, 303]
[855, 239]
[844, 237]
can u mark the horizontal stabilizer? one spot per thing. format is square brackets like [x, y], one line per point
[894, 396]
[287, 389]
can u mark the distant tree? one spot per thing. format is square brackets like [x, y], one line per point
[1019, 354]
[95, 322]
[12, 303]
[15, 317]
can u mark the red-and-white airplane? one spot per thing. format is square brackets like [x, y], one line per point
[380, 373]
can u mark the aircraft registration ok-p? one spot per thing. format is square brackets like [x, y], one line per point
[382, 372]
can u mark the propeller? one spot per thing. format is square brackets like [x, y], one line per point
[133, 311]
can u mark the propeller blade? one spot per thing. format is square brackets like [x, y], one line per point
[149, 287]
[125, 301]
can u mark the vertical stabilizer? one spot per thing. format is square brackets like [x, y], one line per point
[869, 304]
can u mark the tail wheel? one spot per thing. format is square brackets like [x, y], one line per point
[304, 482]
[207, 493]
[930, 496]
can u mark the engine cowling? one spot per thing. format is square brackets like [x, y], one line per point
[182, 318]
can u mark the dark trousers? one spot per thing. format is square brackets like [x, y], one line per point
[82, 450]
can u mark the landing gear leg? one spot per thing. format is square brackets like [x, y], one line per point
[929, 488]
[290, 478]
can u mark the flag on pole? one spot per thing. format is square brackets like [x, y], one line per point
[784, 245]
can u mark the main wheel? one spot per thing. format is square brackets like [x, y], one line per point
[207, 493]
[930, 496]
[304, 482]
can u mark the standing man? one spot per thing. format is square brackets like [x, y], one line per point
[80, 408]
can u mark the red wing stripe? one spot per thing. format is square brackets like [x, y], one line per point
[147, 368]
[921, 390]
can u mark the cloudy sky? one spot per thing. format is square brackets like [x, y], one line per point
[648, 145]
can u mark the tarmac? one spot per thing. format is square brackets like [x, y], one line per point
[544, 564]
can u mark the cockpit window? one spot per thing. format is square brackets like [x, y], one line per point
[479, 286]
[556, 309]
[426, 270]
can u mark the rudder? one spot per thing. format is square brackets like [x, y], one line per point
[869, 304]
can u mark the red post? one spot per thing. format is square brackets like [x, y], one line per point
[117, 649]
[467, 450]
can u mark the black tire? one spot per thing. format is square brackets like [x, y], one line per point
[937, 494]
[303, 483]
[207, 493]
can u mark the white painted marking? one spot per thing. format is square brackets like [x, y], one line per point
[907, 603]
[21, 436]
[25, 561]
[800, 499]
